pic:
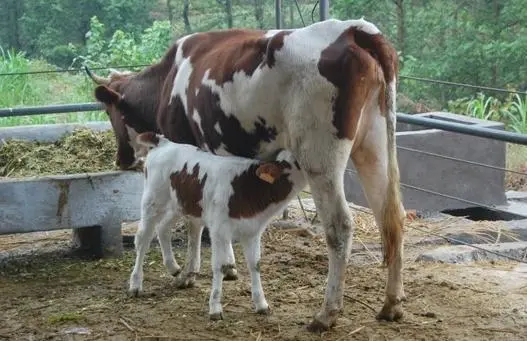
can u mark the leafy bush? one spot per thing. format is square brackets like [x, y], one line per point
[124, 48]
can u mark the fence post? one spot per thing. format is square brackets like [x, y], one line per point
[324, 9]
[278, 13]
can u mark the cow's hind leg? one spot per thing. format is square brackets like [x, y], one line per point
[324, 161]
[371, 160]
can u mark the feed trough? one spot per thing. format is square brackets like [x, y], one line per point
[93, 204]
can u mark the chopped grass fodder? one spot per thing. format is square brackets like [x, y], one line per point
[82, 151]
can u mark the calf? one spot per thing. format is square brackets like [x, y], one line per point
[235, 197]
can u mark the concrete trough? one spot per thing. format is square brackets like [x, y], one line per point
[92, 204]
[453, 178]
[99, 201]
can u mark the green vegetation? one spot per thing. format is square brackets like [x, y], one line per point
[479, 42]
[512, 110]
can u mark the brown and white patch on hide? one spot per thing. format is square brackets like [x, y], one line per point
[359, 65]
[217, 57]
[189, 189]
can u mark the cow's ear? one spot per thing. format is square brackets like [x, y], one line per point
[106, 95]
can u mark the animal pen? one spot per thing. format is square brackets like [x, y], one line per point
[442, 180]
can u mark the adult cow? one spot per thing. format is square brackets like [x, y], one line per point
[326, 91]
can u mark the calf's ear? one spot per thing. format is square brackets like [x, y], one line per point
[269, 172]
[106, 95]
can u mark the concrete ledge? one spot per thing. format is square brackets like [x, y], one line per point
[516, 231]
[466, 254]
[74, 201]
[48, 132]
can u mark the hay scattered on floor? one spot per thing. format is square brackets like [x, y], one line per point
[84, 150]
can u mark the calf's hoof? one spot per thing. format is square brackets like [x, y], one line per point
[187, 280]
[264, 311]
[175, 272]
[216, 316]
[390, 312]
[231, 274]
[136, 292]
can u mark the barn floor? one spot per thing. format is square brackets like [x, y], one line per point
[46, 296]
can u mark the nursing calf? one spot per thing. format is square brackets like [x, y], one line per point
[235, 197]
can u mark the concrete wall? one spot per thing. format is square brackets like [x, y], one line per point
[470, 182]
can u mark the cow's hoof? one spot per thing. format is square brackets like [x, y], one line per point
[231, 275]
[216, 316]
[185, 281]
[323, 321]
[317, 326]
[390, 312]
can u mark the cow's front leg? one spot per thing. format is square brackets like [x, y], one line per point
[329, 198]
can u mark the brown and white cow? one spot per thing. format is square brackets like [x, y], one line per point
[326, 92]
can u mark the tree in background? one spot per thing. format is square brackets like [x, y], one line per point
[480, 42]
[43, 28]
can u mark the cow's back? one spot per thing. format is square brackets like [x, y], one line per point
[244, 90]
[230, 90]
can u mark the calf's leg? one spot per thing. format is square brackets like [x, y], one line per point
[221, 263]
[231, 274]
[143, 238]
[251, 249]
[188, 277]
[165, 242]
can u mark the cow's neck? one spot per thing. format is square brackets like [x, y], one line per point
[152, 80]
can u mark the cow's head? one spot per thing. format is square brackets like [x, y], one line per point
[129, 110]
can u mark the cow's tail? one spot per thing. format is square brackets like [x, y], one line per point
[392, 212]
[393, 217]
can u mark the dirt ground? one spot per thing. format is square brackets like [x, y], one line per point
[50, 296]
